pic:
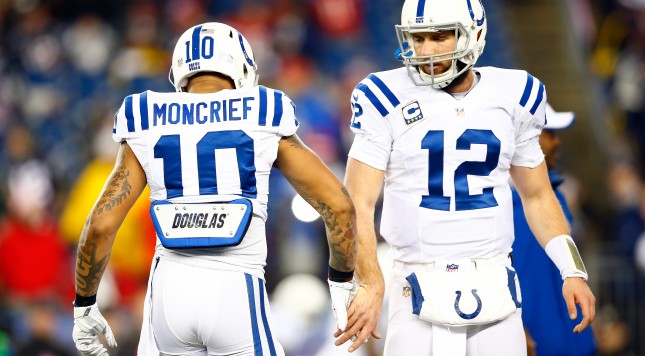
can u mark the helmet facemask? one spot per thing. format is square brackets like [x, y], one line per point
[465, 18]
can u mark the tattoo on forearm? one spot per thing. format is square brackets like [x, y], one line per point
[88, 269]
[295, 142]
[342, 242]
[117, 190]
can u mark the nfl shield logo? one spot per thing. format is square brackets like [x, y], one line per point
[452, 268]
[407, 290]
[460, 112]
[180, 62]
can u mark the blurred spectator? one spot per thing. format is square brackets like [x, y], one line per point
[42, 320]
[34, 260]
[35, 263]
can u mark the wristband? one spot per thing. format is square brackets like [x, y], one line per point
[564, 253]
[339, 276]
[81, 301]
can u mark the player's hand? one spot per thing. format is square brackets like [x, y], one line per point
[576, 291]
[88, 323]
[364, 313]
[342, 294]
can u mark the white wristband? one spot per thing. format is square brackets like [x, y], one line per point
[564, 253]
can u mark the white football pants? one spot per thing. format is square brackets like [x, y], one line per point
[201, 311]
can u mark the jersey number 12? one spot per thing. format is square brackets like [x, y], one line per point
[434, 143]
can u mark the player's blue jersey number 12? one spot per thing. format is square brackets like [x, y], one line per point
[434, 143]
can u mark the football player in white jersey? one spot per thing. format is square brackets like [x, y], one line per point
[443, 138]
[206, 152]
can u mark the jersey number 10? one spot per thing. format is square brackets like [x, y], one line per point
[169, 149]
[200, 49]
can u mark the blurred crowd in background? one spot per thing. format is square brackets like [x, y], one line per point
[65, 67]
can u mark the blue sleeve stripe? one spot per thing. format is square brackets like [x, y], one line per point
[277, 113]
[527, 90]
[195, 43]
[373, 99]
[262, 120]
[129, 115]
[143, 109]
[386, 91]
[538, 100]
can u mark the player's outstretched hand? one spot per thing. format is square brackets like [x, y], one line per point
[88, 323]
[342, 294]
[363, 315]
[576, 291]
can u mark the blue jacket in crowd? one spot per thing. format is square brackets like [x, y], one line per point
[544, 311]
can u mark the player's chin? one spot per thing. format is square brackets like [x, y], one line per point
[437, 69]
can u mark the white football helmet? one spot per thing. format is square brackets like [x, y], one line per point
[466, 17]
[213, 47]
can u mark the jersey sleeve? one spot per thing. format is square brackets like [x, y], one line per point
[131, 118]
[530, 118]
[276, 112]
[288, 124]
[372, 134]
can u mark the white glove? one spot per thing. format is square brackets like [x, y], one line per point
[88, 323]
[342, 294]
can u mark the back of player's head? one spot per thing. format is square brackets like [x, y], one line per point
[466, 17]
[213, 47]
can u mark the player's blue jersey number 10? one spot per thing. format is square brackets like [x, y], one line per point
[169, 149]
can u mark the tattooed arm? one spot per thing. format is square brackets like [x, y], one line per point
[123, 187]
[313, 180]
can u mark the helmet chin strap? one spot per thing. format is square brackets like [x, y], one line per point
[439, 82]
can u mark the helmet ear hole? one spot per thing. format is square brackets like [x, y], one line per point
[245, 71]
[230, 34]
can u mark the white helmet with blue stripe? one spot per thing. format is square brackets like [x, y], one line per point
[213, 47]
[466, 17]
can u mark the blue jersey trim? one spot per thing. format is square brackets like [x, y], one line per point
[262, 120]
[417, 296]
[538, 100]
[386, 91]
[277, 113]
[129, 115]
[527, 90]
[143, 110]
[257, 343]
[265, 321]
[373, 99]
[511, 287]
